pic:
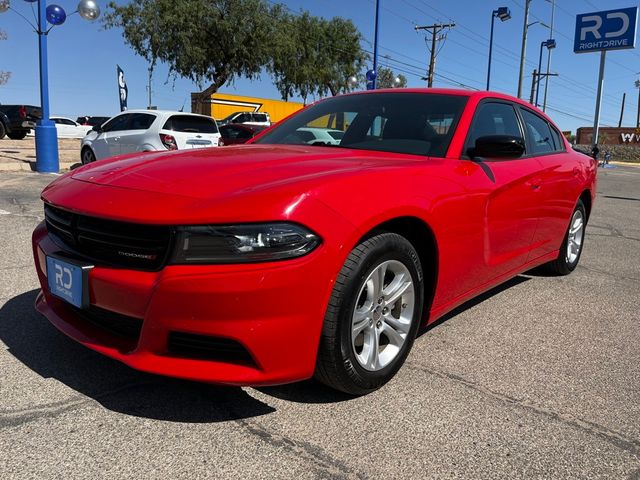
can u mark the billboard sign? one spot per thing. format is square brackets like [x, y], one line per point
[607, 30]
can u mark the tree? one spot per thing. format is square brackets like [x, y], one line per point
[313, 55]
[203, 40]
[387, 79]
[4, 76]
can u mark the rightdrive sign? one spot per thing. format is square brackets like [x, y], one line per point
[608, 30]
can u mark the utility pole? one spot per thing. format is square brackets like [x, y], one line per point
[533, 86]
[434, 30]
[624, 96]
[525, 27]
[546, 80]
[637, 84]
[150, 72]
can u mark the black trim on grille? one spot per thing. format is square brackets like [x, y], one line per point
[207, 347]
[122, 244]
[114, 323]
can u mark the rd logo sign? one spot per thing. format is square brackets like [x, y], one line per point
[609, 30]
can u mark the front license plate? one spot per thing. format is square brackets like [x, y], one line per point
[68, 281]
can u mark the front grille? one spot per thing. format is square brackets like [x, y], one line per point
[114, 323]
[207, 347]
[121, 244]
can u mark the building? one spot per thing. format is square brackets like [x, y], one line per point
[610, 136]
[221, 105]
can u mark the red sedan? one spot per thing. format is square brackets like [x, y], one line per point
[282, 260]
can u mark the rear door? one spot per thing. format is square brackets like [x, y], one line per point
[559, 182]
[192, 131]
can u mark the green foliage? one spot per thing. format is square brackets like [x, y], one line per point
[313, 55]
[203, 40]
[387, 79]
[217, 41]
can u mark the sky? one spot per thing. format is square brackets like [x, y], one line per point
[83, 57]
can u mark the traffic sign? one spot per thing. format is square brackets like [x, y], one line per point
[607, 30]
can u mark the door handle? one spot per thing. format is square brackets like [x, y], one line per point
[534, 184]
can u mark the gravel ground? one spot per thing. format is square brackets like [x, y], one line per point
[539, 378]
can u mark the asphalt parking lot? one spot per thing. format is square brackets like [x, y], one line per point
[539, 378]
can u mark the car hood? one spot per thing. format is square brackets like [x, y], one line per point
[230, 171]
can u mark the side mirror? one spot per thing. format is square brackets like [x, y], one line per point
[498, 146]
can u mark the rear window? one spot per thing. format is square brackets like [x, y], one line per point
[260, 117]
[192, 124]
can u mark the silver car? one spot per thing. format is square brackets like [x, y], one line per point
[147, 131]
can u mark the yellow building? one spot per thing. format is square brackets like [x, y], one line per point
[220, 105]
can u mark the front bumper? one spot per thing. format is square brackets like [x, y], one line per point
[274, 311]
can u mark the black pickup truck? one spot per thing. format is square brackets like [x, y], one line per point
[17, 120]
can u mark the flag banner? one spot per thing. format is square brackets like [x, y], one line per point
[123, 91]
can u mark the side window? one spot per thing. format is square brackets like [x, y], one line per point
[117, 123]
[493, 118]
[141, 121]
[557, 140]
[538, 132]
[259, 117]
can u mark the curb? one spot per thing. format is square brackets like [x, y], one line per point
[29, 166]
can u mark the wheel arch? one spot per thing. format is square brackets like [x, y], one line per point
[421, 236]
[585, 196]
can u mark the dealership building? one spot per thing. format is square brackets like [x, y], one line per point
[610, 136]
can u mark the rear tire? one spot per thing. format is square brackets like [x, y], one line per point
[17, 135]
[87, 156]
[3, 130]
[572, 245]
[373, 315]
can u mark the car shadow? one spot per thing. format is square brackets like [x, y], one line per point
[475, 301]
[32, 340]
[315, 392]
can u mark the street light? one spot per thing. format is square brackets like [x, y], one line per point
[503, 14]
[551, 43]
[46, 138]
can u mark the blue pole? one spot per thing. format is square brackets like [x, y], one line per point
[46, 135]
[493, 17]
[375, 47]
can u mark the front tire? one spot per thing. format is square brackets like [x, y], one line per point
[17, 135]
[373, 315]
[572, 245]
[3, 130]
[87, 156]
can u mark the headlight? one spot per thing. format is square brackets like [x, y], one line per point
[242, 243]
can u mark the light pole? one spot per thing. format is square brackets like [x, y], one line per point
[551, 43]
[46, 138]
[503, 14]
[374, 80]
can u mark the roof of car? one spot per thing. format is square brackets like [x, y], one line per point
[161, 112]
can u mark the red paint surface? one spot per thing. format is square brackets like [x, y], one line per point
[486, 232]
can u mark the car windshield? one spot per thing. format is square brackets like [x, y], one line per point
[401, 122]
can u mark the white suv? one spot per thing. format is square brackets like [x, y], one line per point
[148, 130]
[248, 118]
